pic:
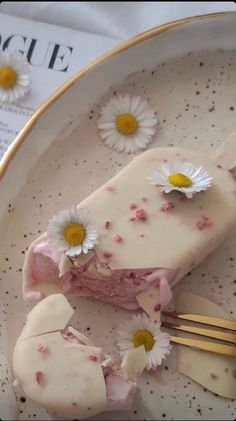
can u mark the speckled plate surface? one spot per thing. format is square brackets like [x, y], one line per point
[188, 73]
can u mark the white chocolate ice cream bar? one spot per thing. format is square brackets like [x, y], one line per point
[146, 239]
[64, 375]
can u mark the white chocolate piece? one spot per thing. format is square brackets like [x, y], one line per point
[158, 295]
[16, 383]
[134, 362]
[149, 301]
[187, 301]
[66, 378]
[81, 338]
[63, 379]
[215, 372]
[64, 265]
[42, 319]
[108, 362]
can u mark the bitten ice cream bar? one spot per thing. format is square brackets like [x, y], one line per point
[63, 371]
[155, 220]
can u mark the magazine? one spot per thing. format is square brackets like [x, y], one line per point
[54, 53]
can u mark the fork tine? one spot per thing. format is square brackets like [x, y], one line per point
[223, 336]
[206, 346]
[206, 320]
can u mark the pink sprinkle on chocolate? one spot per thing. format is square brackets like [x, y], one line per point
[166, 207]
[203, 223]
[93, 358]
[107, 225]
[39, 377]
[110, 188]
[118, 238]
[133, 206]
[214, 376]
[107, 254]
[42, 348]
[157, 307]
[141, 214]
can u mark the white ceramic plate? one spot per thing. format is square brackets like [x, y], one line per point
[188, 72]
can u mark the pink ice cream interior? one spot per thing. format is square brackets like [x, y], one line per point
[120, 392]
[121, 286]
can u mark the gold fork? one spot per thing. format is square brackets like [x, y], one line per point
[225, 335]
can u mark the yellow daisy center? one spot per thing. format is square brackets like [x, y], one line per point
[126, 123]
[74, 234]
[143, 337]
[179, 180]
[8, 77]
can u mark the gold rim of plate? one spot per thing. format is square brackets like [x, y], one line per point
[19, 140]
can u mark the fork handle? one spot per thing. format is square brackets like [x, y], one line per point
[215, 334]
[206, 320]
[228, 350]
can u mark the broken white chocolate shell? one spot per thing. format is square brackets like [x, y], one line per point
[61, 370]
[134, 362]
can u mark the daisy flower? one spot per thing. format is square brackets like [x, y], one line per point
[184, 177]
[14, 77]
[127, 123]
[141, 330]
[72, 231]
